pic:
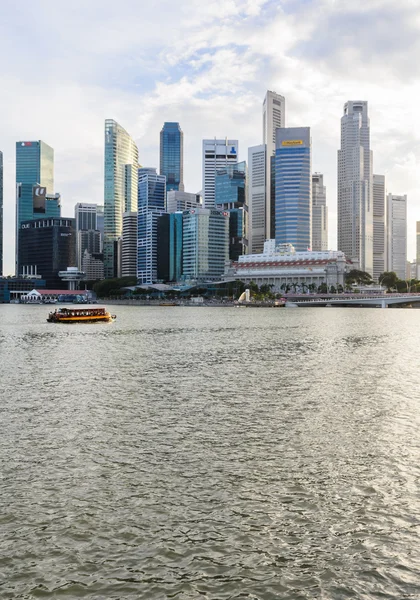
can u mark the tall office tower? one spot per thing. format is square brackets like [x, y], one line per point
[205, 244]
[396, 228]
[35, 196]
[129, 245]
[121, 189]
[355, 183]
[230, 192]
[100, 222]
[256, 198]
[293, 188]
[93, 266]
[87, 240]
[216, 154]
[172, 156]
[274, 116]
[47, 246]
[319, 214]
[418, 249]
[86, 216]
[179, 201]
[169, 254]
[379, 234]
[151, 205]
[1, 214]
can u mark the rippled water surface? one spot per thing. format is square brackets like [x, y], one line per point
[210, 453]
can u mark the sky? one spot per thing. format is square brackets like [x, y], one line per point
[66, 67]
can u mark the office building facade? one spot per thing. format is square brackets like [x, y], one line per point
[396, 227]
[216, 155]
[93, 266]
[293, 188]
[418, 249]
[120, 190]
[180, 201]
[256, 198]
[274, 116]
[205, 244]
[46, 247]
[319, 214]
[355, 187]
[230, 196]
[169, 247]
[1, 213]
[151, 205]
[86, 216]
[379, 229]
[172, 156]
[129, 245]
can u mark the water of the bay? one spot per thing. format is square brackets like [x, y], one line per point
[214, 453]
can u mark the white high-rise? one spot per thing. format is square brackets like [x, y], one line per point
[274, 116]
[319, 214]
[379, 232]
[396, 227]
[256, 198]
[216, 155]
[354, 183]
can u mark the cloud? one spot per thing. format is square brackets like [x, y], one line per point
[67, 67]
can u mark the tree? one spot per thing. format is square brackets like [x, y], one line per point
[322, 289]
[333, 290]
[360, 277]
[389, 279]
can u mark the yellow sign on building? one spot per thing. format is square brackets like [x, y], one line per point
[292, 143]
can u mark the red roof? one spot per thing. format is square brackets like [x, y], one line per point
[62, 292]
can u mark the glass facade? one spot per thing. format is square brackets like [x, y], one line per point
[230, 196]
[172, 156]
[151, 205]
[1, 214]
[169, 257]
[293, 217]
[46, 247]
[205, 249]
[120, 190]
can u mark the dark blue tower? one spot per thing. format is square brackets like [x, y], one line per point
[172, 156]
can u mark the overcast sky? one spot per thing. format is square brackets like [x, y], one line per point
[207, 64]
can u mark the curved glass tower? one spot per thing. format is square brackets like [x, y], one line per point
[172, 156]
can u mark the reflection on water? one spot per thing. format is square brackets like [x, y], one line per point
[210, 453]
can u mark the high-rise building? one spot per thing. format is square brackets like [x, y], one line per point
[396, 228]
[180, 201]
[129, 245]
[46, 247]
[230, 196]
[418, 249]
[172, 156]
[87, 222]
[93, 266]
[293, 188]
[256, 198]
[100, 222]
[379, 234]
[319, 214]
[274, 116]
[151, 205]
[86, 216]
[216, 154]
[169, 252]
[120, 192]
[35, 196]
[355, 183]
[1, 214]
[205, 244]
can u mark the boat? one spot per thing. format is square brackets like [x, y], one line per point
[80, 315]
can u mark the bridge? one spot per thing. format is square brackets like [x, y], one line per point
[364, 300]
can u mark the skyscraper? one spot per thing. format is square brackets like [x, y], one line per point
[129, 245]
[379, 234]
[151, 205]
[319, 214]
[231, 197]
[86, 221]
[418, 249]
[354, 182]
[274, 116]
[216, 154]
[179, 201]
[256, 198]
[121, 189]
[293, 188]
[1, 214]
[172, 156]
[396, 227]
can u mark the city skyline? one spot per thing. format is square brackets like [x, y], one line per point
[183, 82]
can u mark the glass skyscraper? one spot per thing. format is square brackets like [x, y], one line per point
[120, 193]
[230, 196]
[34, 185]
[293, 222]
[172, 156]
[169, 259]
[1, 214]
[151, 206]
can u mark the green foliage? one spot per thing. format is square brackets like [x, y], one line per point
[360, 277]
[389, 279]
[112, 287]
